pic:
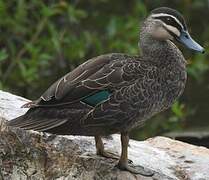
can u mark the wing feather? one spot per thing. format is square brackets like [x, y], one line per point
[100, 73]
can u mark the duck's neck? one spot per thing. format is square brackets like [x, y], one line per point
[160, 52]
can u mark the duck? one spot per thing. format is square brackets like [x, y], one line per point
[116, 92]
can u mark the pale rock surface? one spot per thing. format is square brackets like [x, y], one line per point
[30, 155]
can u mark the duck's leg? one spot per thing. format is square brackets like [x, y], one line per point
[123, 162]
[100, 149]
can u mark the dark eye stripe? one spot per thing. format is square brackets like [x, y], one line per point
[169, 21]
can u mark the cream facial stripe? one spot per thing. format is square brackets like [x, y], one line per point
[172, 29]
[167, 15]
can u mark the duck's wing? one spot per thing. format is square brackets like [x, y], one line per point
[95, 75]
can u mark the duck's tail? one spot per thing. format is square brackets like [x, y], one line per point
[30, 121]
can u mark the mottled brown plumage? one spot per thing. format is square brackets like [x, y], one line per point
[133, 83]
[114, 93]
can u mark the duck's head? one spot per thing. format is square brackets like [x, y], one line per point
[169, 24]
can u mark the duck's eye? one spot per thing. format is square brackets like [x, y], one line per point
[168, 19]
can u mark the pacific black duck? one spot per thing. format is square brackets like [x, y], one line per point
[113, 93]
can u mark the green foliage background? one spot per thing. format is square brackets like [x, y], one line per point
[42, 40]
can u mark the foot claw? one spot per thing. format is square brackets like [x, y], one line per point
[136, 170]
[28, 105]
[108, 154]
[130, 161]
[112, 155]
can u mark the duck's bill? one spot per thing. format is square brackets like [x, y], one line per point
[187, 40]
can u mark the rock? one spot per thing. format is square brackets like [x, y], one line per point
[38, 156]
[198, 137]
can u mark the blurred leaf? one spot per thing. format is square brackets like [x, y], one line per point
[198, 67]
[3, 55]
[177, 109]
